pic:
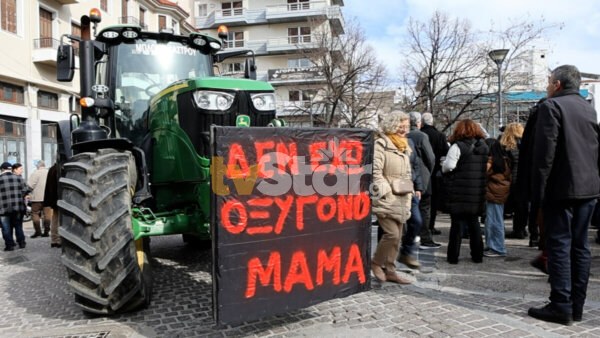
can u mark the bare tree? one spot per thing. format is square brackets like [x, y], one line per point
[354, 78]
[446, 69]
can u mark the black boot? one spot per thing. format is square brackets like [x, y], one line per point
[515, 235]
[549, 313]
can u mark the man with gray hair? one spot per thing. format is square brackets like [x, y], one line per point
[426, 159]
[439, 144]
[37, 183]
[566, 183]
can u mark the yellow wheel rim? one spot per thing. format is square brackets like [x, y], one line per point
[139, 250]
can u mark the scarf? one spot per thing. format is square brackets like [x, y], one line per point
[400, 142]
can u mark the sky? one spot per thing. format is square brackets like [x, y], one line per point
[576, 42]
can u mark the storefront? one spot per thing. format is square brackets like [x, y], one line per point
[12, 140]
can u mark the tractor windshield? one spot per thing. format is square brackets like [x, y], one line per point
[142, 70]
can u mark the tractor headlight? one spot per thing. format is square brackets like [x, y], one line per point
[209, 100]
[110, 34]
[263, 101]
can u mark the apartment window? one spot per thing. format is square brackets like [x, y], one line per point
[104, 5]
[46, 18]
[76, 31]
[301, 95]
[232, 8]
[162, 22]
[142, 16]
[11, 127]
[11, 93]
[299, 63]
[8, 10]
[295, 5]
[175, 26]
[234, 67]
[202, 9]
[47, 100]
[235, 39]
[298, 34]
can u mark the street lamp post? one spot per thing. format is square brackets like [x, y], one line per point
[498, 56]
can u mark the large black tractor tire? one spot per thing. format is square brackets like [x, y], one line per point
[107, 273]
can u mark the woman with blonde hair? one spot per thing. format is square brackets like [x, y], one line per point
[392, 192]
[511, 141]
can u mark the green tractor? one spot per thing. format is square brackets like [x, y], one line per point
[136, 164]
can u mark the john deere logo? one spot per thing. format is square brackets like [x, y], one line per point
[242, 121]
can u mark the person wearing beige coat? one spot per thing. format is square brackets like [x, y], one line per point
[37, 183]
[390, 162]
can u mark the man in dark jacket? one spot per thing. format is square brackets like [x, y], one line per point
[50, 200]
[439, 144]
[426, 159]
[566, 183]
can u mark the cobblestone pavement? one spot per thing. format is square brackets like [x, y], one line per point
[464, 300]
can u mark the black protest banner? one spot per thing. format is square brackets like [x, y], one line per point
[291, 218]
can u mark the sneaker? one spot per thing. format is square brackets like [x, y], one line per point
[45, 234]
[9, 248]
[492, 253]
[22, 245]
[429, 245]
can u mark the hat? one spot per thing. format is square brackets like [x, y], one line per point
[6, 166]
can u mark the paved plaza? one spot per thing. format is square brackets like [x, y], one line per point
[464, 300]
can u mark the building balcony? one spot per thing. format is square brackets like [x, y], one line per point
[296, 11]
[132, 21]
[300, 75]
[290, 44]
[293, 108]
[231, 17]
[258, 46]
[44, 51]
[336, 19]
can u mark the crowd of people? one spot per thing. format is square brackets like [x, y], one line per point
[15, 193]
[546, 175]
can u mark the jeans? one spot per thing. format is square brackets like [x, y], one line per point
[10, 221]
[494, 228]
[413, 228]
[566, 226]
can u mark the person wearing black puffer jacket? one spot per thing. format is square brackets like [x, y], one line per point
[465, 170]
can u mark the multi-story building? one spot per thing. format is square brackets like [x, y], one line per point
[281, 33]
[31, 100]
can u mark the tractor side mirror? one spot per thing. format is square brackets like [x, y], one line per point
[250, 69]
[65, 63]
